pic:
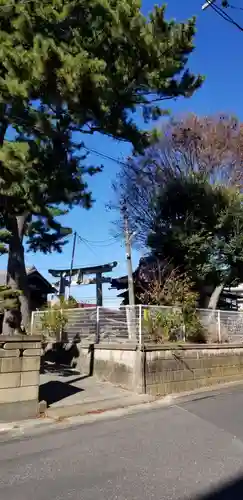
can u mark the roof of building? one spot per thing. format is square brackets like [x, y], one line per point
[146, 268]
[31, 272]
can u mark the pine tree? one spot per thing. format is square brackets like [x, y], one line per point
[70, 68]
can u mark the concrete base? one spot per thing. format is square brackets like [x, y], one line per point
[119, 364]
[20, 410]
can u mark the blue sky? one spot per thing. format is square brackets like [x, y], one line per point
[218, 56]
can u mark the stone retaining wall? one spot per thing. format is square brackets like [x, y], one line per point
[177, 370]
[19, 376]
[160, 370]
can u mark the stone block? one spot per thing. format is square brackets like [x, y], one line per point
[10, 365]
[183, 375]
[20, 338]
[9, 353]
[172, 365]
[191, 364]
[210, 362]
[166, 376]
[230, 370]
[232, 361]
[22, 345]
[8, 380]
[187, 353]
[21, 410]
[30, 364]
[16, 394]
[29, 378]
[31, 352]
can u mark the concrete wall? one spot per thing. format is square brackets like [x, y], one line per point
[19, 376]
[177, 370]
[116, 363]
[160, 370]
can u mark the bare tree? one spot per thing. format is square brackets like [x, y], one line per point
[211, 145]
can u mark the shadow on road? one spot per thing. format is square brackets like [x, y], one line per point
[61, 360]
[230, 491]
[55, 391]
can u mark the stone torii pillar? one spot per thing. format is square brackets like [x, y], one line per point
[99, 291]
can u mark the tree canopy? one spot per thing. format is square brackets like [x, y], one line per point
[210, 145]
[199, 227]
[184, 199]
[67, 69]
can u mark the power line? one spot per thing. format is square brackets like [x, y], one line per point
[222, 13]
[105, 156]
[235, 7]
[81, 240]
[103, 241]
[109, 243]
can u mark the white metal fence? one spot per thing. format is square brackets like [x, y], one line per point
[143, 323]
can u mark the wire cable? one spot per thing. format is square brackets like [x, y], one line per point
[230, 6]
[105, 156]
[225, 16]
[112, 241]
[87, 245]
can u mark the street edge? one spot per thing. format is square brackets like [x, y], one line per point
[46, 424]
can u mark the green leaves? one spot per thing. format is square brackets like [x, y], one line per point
[199, 227]
[83, 67]
[69, 68]
[9, 299]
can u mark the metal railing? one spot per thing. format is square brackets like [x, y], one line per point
[143, 324]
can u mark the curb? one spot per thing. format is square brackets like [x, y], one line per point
[64, 416]
[98, 406]
[19, 426]
[56, 423]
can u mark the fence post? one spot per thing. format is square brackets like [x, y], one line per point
[184, 331]
[32, 323]
[140, 333]
[219, 327]
[97, 340]
[61, 333]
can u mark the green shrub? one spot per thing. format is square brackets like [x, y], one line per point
[163, 326]
[194, 330]
[54, 319]
[178, 320]
[53, 322]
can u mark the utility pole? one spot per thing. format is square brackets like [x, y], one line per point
[207, 4]
[72, 262]
[127, 237]
[130, 311]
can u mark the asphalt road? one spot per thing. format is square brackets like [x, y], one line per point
[179, 452]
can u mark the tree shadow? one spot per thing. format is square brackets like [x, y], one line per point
[55, 390]
[60, 359]
[233, 490]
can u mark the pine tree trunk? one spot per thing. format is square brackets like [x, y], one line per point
[17, 277]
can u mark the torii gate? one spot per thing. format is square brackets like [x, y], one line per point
[76, 277]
